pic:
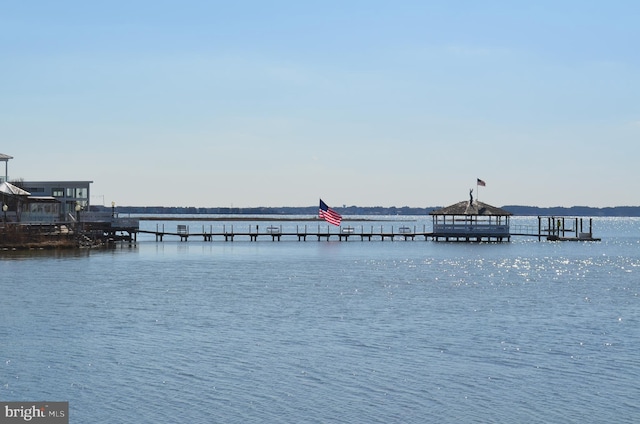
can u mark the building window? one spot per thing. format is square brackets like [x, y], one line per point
[81, 193]
[57, 192]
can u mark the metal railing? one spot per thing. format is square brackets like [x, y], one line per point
[524, 229]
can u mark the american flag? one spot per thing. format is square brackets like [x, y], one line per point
[481, 183]
[328, 214]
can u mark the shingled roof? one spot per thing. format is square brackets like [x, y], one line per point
[467, 208]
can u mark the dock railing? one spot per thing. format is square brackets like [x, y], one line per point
[524, 229]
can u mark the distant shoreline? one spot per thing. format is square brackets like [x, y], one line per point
[370, 211]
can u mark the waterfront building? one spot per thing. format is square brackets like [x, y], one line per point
[58, 200]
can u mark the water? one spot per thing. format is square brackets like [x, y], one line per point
[325, 332]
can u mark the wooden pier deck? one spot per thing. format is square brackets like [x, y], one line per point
[362, 233]
[276, 233]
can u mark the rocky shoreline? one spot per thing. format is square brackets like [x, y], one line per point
[30, 242]
[15, 237]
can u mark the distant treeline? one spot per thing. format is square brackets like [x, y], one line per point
[375, 210]
[573, 211]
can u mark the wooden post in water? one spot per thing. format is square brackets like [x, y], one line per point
[539, 228]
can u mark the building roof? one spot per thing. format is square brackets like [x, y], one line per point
[468, 208]
[43, 199]
[58, 182]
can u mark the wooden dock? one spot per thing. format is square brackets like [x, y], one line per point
[558, 229]
[276, 233]
[566, 230]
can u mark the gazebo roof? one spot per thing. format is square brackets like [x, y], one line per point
[471, 208]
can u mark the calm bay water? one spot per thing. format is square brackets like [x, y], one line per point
[215, 332]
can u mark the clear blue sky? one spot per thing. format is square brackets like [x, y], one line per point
[370, 103]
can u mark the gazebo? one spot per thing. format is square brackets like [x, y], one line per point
[15, 194]
[471, 221]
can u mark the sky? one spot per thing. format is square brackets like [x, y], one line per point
[367, 103]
